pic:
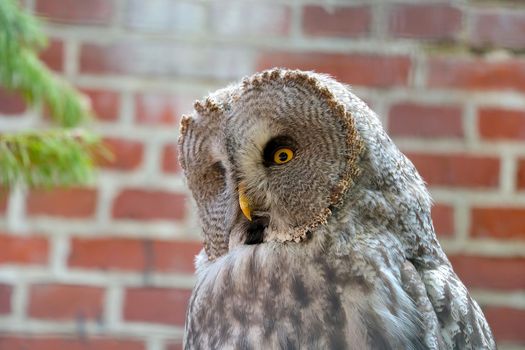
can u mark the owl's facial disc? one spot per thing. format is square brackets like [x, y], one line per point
[288, 150]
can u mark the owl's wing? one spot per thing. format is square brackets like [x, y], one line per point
[453, 319]
[415, 288]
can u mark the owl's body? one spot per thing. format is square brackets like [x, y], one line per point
[263, 297]
[336, 249]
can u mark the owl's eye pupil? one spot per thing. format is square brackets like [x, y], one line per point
[283, 156]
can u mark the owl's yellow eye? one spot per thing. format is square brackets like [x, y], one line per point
[282, 155]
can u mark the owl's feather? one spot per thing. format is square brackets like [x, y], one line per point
[347, 258]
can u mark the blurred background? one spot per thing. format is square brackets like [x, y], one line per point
[109, 266]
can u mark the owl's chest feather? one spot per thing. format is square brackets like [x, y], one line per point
[258, 297]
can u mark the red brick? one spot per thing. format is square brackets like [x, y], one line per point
[133, 254]
[68, 203]
[234, 18]
[498, 123]
[5, 298]
[355, 69]
[47, 342]
[61, 302]
[23, 249]
[477, 73]
[457, 170]
[499, 223]
[156, 305]
[412, 119]
[506, 324]
[174, 345]
[443, 219]
[425, 21]
[11, 103]
[142, 204]
[175, 256]
[126, 154]
[521, 174]
[157, 109]
[97, 12]
[105, 103]
[108, 253]
[497, 28]
[96, 59]
[490, 272]
[4, 197]
[170, 160]
[53, 55]
[336, 21]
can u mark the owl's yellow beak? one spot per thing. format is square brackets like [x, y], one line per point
[244, 203]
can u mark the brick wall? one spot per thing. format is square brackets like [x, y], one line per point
[109, 266]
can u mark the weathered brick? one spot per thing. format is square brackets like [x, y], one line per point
[5, 299]
[156, 305]
[67, 203]
[490, 272]
[165, 16]
[175, 256]
[457, 170]
[418, 120]
[83, 342]
[340, 21]
[356, 69]
[174, 345]
[143, 204]
[506, 324]
[155, 59]
[424, 21]
[494, 27]
[108, 253]
[93, 12]
[61, 302]
[443, 219]
[499, 223]
[499, 123]
[236, 18]
[157, 109]
[53, 55]
[105, 103]
[521, 174]
[170, 161]
[23, 249]
[477, 73]
[111, 253]
[11, 103]
[126, 154]
[4, 198]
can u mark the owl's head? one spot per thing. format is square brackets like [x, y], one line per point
[273, 157]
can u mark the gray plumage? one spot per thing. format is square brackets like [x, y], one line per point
[341, 252]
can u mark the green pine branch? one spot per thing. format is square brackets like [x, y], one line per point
[59, 157]
[50, 158]
[21, 70]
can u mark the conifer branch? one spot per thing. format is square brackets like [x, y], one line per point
[60, 157]
[49, 158]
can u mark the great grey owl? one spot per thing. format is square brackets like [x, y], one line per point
[317, 229]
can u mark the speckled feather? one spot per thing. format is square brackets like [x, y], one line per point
[349, 259]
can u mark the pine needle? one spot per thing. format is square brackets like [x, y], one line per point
[62, 157]
[47, 159]
[21, 70]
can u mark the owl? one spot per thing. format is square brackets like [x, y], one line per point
[317, 229]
